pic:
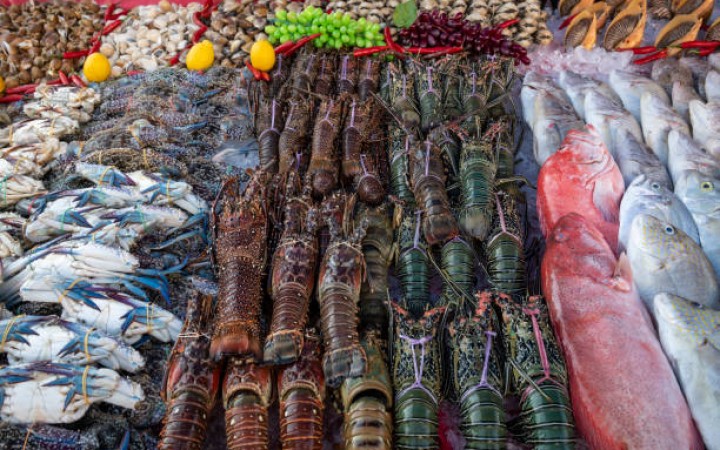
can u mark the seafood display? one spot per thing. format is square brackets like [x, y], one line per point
[359, 224]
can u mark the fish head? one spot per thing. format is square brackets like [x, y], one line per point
[576, 239]
[687, 317]
[702, 192]
[704, 115]
[659, 242]
[649, 190]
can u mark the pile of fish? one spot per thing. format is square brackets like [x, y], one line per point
[629, 168]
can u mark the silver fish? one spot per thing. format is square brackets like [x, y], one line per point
[658, 118]
[665, 259]
[666, 72]
[577, 86]
[554, 117]
[682, 95]
[645, 196]
[609, 117]
[714, 61]
[712, 86]
[630, 87]
[699, 68]
[690, 336]
[684, 155]
[533, 84]
[634, 159]
[705, 120]
[701, 194]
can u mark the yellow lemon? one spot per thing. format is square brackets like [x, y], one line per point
[96, 68]
[201, 56]
[2, 85]
[262, 55]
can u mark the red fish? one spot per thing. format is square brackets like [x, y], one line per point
[623, 390]
[581, 177]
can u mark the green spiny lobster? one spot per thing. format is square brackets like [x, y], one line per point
[538, 373]
[416, 378]
[477, 377]
[478, 168]
[504, 247]
[412, 265]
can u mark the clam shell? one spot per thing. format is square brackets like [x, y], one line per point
[628, 27]
[702, 8]
[582, 30]
[682, 28]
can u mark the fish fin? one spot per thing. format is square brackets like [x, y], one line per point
[622, 275]
[603, 201]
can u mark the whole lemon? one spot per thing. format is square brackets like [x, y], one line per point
[2, 85]
[201, 56]
[262, 55]
[96, 68]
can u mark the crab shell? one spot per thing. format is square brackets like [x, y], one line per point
[635, 37]
[701, 8]
[665, 38]
[582, 30]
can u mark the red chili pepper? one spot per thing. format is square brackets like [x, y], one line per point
[641, 50]
[300, 43]
[20, 89]
[198, 34]
[55, 82]
[265, 76]
[256, 73]
[654, 57]
[567, 21]
[175, 59]
[75, 55]
[706, 51]
[700, 44]
[77, 81]
[95, 47]
[133, 72]
[359, 53]
[390, 42]
[108, 12]
[63, 78]
[122, 12]
[110, 27]
[507, 23]
[282, 48]
[432, 50]
[11, 98]
[196, 19]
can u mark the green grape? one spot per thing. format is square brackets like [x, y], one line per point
[362, 21]
[323, 38]
[281, 14]
[360, 42]
[322, 29]
[314, 29]
[317, 43]
[343, 29]
[368, 44]
[336, 34]
[292, 17]
[284, 38]
[345, 38]
[370, 35]
[337, 45]
[346, 19]
[292, 28]
[375, 27]
[296, 36]
[270, 29]
[273, 40]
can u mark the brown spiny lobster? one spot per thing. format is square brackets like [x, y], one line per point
[369, 77]
[347, 79]
[323, 171]
[240, 253]
[294, 137]
[269, 121]
[428, 184]
[358, 163]
[341, 274]
[191, 381]
[247, 391]
[293, 280]
[325, 79]
[304, 72]
[367, 400]
[301, 388]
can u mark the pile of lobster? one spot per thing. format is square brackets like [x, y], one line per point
[336, 134]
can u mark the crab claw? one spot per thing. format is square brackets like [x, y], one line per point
[181, 237]
[73, 217]
[157, 284]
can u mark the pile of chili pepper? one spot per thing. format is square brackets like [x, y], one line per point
[112, 22]
[286, 50]
[19, 92]
[700, 47]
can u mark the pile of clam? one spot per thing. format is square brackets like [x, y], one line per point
[376, 11]
[33, 37]
[236, 24]
[532, 28]
[150, 37]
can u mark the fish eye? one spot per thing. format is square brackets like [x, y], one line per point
[669, 230]
[655, 186]
[706, 186]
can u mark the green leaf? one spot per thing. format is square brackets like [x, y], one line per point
[405, 14]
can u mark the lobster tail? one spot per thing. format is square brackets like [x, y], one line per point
[283, 347]
[483, 420]
[368, 425]
[504, 249]
[301, 389]
[413, 266]
[458, 262]
[546, 417]
[185, 424]
[370, 189]
[343, 357]
[246, 395]
[477, 177]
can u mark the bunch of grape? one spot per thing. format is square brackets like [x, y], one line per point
[432, 29]
[336, 29]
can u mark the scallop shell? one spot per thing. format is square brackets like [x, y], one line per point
[660, 9]
[628, 27]
[569, 7]
[582, 30]
[703, 8]
[682, 28]
[713, 33]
